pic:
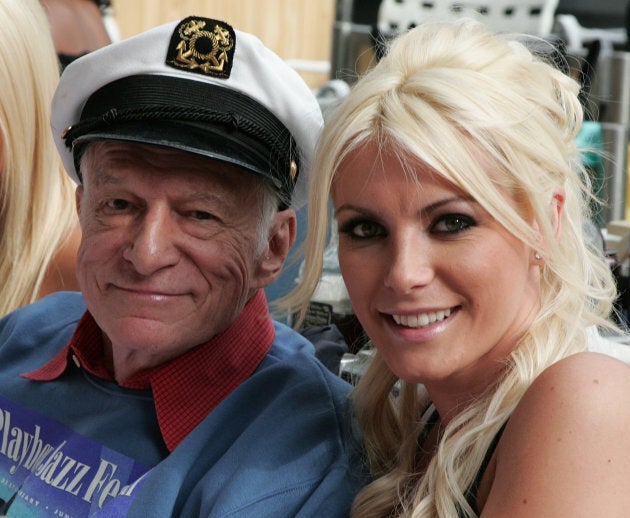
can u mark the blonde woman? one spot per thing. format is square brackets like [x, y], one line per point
[456, 187]
[38, 222]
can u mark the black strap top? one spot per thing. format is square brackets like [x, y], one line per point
[473, 489]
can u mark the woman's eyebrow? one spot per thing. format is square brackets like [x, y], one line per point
[432, 207]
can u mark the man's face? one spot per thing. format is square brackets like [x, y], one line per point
[169, 254]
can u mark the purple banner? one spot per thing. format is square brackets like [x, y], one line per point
[46, 469]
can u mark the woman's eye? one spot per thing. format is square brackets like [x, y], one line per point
[362, 229]
[452, 223]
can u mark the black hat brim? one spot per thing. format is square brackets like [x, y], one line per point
[205, 140]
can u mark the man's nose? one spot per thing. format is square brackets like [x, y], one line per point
[152, 245]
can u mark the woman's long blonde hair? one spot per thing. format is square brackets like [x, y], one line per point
[464, 101]
[37, 209]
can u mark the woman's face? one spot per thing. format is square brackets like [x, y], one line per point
[441, 288]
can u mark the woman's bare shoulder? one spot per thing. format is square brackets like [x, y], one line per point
[583, 372]
[566, 448]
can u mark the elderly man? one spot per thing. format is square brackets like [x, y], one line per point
[165, 389]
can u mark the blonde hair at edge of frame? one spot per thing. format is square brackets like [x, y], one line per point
[465, 101]
[37, 208]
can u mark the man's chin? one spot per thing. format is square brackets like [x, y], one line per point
[142, 333]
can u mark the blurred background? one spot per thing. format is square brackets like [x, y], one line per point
[297, 30]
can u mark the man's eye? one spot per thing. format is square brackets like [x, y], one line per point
[453, 223]
[201, 215]
[118, 204]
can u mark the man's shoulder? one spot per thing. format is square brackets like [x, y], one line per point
[50, 320]
[61, 307]
[294, 353]
[288, 342]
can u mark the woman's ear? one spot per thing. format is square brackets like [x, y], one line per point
[556, 207]
[281, 238]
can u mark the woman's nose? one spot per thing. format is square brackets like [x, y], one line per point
[410, 266]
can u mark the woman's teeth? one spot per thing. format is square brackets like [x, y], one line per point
[421, 320]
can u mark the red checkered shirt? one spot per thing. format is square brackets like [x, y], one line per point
[188, 388]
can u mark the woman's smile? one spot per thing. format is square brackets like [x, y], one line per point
[421, 319]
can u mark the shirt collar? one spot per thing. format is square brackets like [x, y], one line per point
[188, 388]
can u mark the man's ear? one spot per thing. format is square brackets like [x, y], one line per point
[78, 196]
[556, 207]
[281, 238]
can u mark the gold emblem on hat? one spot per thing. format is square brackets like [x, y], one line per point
[294, 170]
[202, 45]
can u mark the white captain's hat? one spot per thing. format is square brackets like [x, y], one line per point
[199, 86]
